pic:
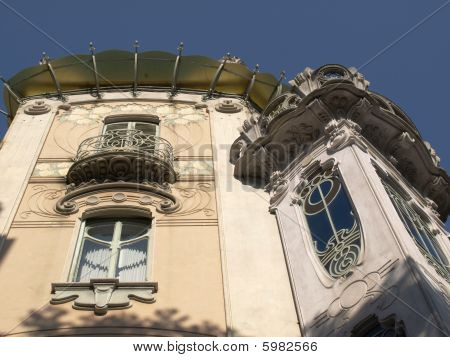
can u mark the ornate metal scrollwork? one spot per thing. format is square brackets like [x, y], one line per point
[335, 230]
[123, 155]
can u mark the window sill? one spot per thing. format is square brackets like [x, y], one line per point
[101, 295]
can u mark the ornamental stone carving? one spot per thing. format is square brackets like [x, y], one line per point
[279, 106]
[310, 80]
[354, 293]
[297, 122]
[167, 202]
[277, 186]
[436, 159]
[228, 106]
[37, 108]
[342, 134]
[102, 295]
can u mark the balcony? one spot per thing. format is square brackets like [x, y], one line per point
[123, 155]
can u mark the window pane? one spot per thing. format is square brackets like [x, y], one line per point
[341, 211]
[132, 264]
[116, 126]
[320, 228]
[94, 261]
[133, 229]
[147, 128]
[418, 230]
[334, 228]
[101, 230]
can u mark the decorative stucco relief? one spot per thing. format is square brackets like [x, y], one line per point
[191, 200]
[196, 199]
[187, 139]
[77, 123]
[41, 202]
[367, 289]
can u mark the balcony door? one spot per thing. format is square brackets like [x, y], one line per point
[146, 128]
[131, 134]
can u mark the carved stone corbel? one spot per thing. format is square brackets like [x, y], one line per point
[304, 82]
[359, 110]
[342, 134]
[434, 157]
[101, 295]
[320, 111]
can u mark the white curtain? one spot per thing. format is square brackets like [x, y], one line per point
[94, 261]
[132, 264]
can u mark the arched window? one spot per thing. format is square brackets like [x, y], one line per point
[333, 224]
[418, 228]
[112, 248]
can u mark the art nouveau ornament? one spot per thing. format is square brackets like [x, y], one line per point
[334, 228]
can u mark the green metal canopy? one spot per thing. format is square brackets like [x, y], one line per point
[155, 70]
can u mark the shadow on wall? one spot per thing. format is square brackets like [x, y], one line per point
[55, 321]
[5, 247]
[414, 304]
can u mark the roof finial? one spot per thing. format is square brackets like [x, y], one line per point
[180, 48]
[135, 77]
[44, 59]
[94, 68]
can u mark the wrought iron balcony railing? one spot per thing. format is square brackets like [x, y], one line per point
[127, 155]
[126, 140]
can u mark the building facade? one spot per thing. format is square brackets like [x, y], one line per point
[165, 195]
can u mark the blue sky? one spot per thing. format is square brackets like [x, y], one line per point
[279, 35]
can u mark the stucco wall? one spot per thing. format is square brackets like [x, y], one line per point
[257, 285]
[186, 260]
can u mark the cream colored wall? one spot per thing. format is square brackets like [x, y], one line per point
[186, 251]
[18, 154]
[220, 268]
[258, 291]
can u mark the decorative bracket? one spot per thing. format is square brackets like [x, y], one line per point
[101, 295]
[341, 134]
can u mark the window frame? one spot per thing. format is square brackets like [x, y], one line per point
[131, 120]
[408, 208]
[115, 214]
[309, 174]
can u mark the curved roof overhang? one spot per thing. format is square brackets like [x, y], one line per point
[155, 71]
